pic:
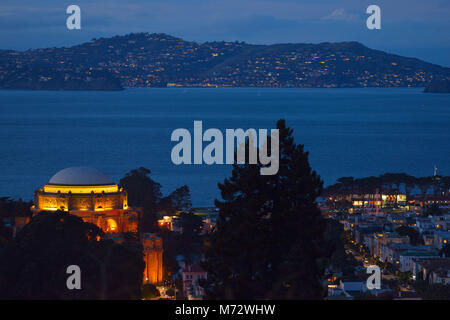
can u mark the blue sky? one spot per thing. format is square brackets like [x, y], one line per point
[417, 28]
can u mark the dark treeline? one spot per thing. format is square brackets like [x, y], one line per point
[390, 183]
[33, 265]
[146, 193]
[15, 208]
[9, 209]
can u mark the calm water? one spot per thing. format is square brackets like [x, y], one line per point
[356, 132]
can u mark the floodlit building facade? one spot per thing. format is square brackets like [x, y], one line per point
[91, 195]
[153, 253]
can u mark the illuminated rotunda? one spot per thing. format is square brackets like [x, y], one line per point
[91, 195]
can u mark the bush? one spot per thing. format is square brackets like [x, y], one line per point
[149, 291]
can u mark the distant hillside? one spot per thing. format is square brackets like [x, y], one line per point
[160, 60]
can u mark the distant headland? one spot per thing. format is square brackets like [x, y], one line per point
[160, 60]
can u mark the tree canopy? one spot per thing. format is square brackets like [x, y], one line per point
[390, 183]
[143, 192]
[433, 210]
[445, 251]
[146, 193]
[190, 240]
[181, 198]
[38, 257]
[413, 234]
[269, 231]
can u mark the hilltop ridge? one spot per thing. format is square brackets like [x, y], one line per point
[160, 60]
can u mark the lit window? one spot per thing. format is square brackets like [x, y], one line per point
[111, 225]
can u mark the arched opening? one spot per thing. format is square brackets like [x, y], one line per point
[111, 225]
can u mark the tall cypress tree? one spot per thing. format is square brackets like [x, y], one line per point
[269, 231]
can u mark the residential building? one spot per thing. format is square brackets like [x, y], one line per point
[409, 258]
[191, 274]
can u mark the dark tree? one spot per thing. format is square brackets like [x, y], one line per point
[5, 232]
[123, 268]
[432, 291]
[170, 252]
[410, 183]
[333, 245]
[143, 192]
[424, 184]
[434, 210]
[34, 264]
[445, 184]
[14, 208]
[445, 251]
[269, 231]
[149, 291]
[190, 240]
[347, 184]
[178, 200]
[170, 292]
[413, 234]
[181, 198]
[165, 206]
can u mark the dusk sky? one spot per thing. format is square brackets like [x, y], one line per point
[415, 28]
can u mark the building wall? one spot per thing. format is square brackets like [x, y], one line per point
[109, 211]
[44, 201]
[153, 253]
[191, 277]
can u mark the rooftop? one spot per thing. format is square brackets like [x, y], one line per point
[80, 176]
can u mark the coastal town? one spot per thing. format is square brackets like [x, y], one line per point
[141, 60]
[406, 234]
